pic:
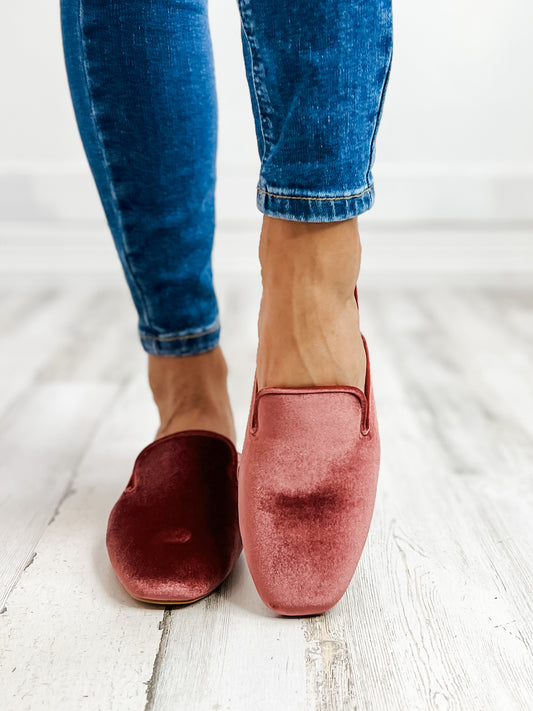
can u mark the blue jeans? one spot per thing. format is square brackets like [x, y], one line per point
[142, 82]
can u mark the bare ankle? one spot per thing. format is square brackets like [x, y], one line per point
[297, 256]
[191, 392]
[168, 373]
[308, 322]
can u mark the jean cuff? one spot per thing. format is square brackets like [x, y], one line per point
[314, 208]
[183, 343]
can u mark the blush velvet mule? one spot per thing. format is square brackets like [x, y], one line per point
[307, 486]
[173, 535]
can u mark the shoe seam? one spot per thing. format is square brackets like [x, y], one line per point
[356, 392]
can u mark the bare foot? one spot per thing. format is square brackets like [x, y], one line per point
[308, 323]
[191, 393]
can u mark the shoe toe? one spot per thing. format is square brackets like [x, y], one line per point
[302, 549]
[307, 485]
[173, 535]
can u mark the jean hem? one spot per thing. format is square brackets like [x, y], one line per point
[182, 344]
[314, 208]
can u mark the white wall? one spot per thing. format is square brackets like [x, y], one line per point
[455, 140]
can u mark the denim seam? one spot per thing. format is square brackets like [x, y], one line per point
[255, 92]
[260, 96]
[106, 163]
[303, 197]
[379, 113]
[205, 332]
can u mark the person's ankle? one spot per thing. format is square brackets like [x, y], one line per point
[170, 375]
[308, 323]
[190, 392]
[298, 257]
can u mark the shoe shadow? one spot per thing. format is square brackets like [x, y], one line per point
[102, 569]
[238, 589]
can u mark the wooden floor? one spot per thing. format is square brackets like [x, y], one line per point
[439, 613]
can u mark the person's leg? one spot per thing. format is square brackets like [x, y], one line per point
[310, 458]
[142, 82]
[317, 74]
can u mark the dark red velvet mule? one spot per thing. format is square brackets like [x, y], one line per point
[173, 535]
[307, 486]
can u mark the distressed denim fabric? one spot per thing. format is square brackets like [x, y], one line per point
[142, 83]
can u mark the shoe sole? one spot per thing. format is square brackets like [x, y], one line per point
[168, 602]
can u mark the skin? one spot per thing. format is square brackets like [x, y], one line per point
[308, 328]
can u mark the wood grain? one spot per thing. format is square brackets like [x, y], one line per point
[439, 614]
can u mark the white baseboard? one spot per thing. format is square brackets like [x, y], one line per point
[427, 223]
[404, 193]
[393, 255]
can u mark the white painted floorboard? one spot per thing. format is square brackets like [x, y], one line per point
[439, 614]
